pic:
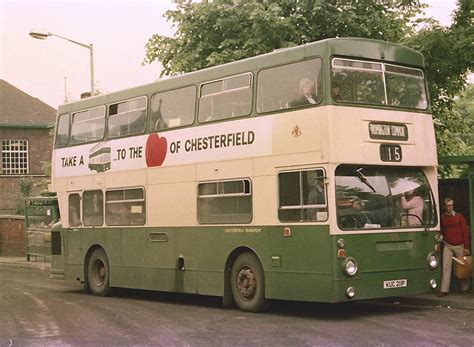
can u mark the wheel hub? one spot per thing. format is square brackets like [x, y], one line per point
[100, 273]
[246, 283]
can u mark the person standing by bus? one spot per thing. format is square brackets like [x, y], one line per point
[456, 243]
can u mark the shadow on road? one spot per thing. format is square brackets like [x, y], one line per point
[339, 311]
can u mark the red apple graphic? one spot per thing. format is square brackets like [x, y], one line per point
[155, 151]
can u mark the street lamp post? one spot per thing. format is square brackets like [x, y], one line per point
[43, 35]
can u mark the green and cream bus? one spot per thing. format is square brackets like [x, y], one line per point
[306, 174]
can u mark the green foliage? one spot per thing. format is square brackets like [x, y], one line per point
[46, 167]
[210, 33]
[448, 62]
[464, 105]
[26, 184]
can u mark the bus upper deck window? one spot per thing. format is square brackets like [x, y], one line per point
[289, 86]
[405, 87]
[127, 118]
[375, 83]
[62, 132]
[357, 81]
[88, 125]
[174, 108]
[226, 98]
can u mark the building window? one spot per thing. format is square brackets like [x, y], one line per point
[225, 202]
[302, 196]
[15, 157]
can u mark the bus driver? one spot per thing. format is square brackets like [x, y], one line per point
[316, 196]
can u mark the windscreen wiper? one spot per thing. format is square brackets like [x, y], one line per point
[363, 179]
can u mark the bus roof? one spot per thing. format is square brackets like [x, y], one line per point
[349, 47]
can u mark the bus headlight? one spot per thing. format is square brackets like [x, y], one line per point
[341, 243]
[350, 267]
[433, 283]
[350, 292]
[432, 261]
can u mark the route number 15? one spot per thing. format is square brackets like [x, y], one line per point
[391, 153]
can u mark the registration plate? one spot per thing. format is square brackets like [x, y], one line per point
[394, 284]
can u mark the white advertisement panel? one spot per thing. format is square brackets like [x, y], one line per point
[224, 141]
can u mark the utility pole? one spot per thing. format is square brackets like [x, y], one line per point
[65, 89]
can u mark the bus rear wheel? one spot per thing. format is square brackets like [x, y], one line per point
[98, 273]
[247, 283]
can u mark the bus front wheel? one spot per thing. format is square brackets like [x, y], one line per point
[98, 273]
[247, 283]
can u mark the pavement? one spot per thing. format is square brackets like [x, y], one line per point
[42, 263]
[454, 300]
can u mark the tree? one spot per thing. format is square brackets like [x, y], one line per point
[464, 105]
[448, 62]
[220, 31]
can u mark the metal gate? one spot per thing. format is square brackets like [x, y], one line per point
[40, 215]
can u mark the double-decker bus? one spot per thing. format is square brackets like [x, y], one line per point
[307, 174]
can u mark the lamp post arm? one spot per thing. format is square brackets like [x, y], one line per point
[91, 50]
[76, 42]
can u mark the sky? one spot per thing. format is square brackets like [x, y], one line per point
[54, 69]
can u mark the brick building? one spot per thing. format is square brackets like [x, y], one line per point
[26, 126]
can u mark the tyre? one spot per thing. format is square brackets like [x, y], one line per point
[98, 273]
[248, 283]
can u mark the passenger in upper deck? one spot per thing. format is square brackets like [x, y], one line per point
[307, 94]
[336, 93]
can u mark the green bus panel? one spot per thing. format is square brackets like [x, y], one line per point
[303, 266]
